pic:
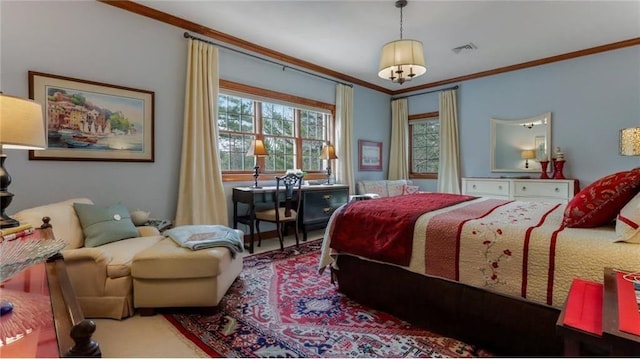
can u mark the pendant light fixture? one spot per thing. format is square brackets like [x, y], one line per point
[402, 60]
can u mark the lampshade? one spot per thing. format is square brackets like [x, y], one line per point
[527, 154]
[328, 152]
[257, 149]
[21, 124]
[401, 60]
[630, 141]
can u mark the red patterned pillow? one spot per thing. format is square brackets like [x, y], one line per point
[600, 202]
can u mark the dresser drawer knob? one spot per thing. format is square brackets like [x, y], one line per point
[524, 188]
[327, 210]
[557, 189]
[327, 197]
[474, 186]
[500, 187]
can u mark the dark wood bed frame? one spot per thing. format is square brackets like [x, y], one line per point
[505, 325]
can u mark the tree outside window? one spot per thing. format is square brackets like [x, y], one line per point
[424, 142]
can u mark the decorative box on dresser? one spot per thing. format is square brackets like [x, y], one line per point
[522, 189]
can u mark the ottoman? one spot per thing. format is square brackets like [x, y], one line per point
[167, 275]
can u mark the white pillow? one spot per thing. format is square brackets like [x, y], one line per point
[628, 221]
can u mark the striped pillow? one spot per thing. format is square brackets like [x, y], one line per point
[628, 222]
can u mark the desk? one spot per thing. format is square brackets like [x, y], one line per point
[318, 203]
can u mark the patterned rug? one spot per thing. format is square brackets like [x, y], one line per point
[281, 307]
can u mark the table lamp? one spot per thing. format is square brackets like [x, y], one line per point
[21, 127]
[328, 153]
[527, 155]
[257, 149]
[630, 141]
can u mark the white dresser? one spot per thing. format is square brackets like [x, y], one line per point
[548, 190]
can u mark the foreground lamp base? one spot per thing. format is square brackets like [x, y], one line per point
[5, 196]
[8, 223]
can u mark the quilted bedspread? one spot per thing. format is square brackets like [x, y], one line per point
[512, 247]
[388, 223]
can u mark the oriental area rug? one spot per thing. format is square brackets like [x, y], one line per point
[281, 307]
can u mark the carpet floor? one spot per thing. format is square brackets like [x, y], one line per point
[281, 307]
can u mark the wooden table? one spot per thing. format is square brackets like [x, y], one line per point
[621, 343]
[46, 320]
[612, 342]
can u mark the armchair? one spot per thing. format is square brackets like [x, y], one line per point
[100, 276]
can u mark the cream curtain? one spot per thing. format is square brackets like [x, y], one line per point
[399, 166]
[344, 134]
[201, 197]
[449, 165]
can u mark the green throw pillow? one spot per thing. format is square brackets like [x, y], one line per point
[102, 225]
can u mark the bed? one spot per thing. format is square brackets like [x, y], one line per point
[491, 272]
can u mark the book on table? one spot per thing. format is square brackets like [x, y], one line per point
[14, 234]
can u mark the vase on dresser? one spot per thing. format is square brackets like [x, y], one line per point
[543, 166]
[558, 166]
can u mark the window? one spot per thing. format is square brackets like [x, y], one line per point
[424, 142]
[293, 129]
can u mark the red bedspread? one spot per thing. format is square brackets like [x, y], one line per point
[388, 223]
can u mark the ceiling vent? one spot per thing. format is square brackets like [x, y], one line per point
[467, 47]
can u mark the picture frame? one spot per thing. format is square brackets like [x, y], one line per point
[369, 155]
[540, 145]
[93, 121]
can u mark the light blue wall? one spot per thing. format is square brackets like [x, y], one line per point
[97, 42]
[372, 123]
[591, 98]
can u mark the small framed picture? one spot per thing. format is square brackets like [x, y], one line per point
[541, 148]
[369, 155]
[92, 121]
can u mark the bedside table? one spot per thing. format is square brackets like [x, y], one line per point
[612, 342]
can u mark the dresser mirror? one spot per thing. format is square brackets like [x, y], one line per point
[518, 145]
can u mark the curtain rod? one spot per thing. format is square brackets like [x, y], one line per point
[426, 92]
[284, 66]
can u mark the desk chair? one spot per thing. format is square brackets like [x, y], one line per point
[286, 199]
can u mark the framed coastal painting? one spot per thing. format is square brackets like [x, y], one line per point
[369, 155]
[93, 121]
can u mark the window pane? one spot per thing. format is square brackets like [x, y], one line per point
[235, 114]
[425, 146]
[311, 155]
[233, 149]
[278, 120]
[281, 153]
[313, 125]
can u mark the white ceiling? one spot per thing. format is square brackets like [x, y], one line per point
[346, 36]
